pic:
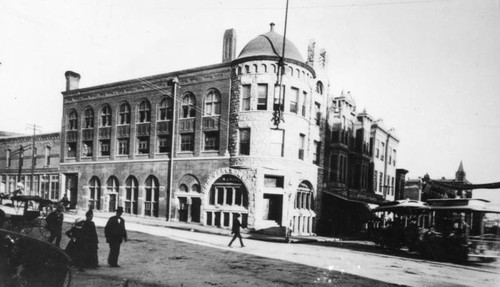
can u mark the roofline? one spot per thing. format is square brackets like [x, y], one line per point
[153, 77]
[274, 58]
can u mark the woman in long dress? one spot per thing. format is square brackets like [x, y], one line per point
[90, 240]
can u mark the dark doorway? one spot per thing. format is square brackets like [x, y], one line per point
[273, 207]
[72, 189]
[183, 209]
[195, 209]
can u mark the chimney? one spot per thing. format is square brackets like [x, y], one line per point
[272, 27]
[229, 46]
[72, 80]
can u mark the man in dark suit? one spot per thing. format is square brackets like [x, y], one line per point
[115, 234]
[236, 230]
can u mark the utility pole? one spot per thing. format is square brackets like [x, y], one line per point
[33, 156]
[21, 157]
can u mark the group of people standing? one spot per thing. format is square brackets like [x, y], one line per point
[83, 244]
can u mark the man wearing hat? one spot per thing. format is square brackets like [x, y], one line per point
[54, 224]
[115, 234]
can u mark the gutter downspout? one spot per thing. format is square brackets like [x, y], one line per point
[175, 86]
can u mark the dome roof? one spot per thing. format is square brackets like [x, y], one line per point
[270, 44]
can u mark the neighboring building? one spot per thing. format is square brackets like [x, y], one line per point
[400, 186]
[446, 188]
[360, 160]
[199, 145]
[36, 169]
[412, 189]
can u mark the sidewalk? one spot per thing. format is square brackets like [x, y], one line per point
[196, 227]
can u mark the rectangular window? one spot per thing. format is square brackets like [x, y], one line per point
[262, 97]
[375, 181]
[244, 141]
[294, 100]
[377, 148]
[390, 156]
[143, 145]
[71, 149]
[303, 103]
[245, 97]
[382, 150]
[54, 187]
[302, 143]
[164, 144]
[87, 149]
[274, 181]
[279, 94]
[392, 185]
[317, 113]
[276, 142]
[220, 195]
[316, 152]
[381, 183]
[187, 142]
[104, 147]
[123, 146]
[9, 158]
[394, 157]
[211, 141]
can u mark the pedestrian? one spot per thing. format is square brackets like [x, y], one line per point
[236, 230]
[90, 241]
[115, 234]
[65, 201]
[54, 224]
[76, 245]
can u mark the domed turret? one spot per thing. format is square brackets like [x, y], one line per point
[270, 44]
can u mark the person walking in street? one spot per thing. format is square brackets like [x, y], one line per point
[54, 224]
[115, 234]
[90, 241]
[76, 246]
[236, 230]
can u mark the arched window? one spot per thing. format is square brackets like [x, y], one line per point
[152, 197]
[263, 68]
[165, 109]
[113, 189]
[72, 120]
[132, 195]
[227, 197]
[319, 87]
[255, 69]
[144, 112]
[304, 198]
[195, 188]
[188, 106]
[183, 188]
[89, 118]
[106, 116]
[95, 193]
[212, 103]
[124, 114]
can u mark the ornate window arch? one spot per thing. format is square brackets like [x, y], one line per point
[151, 202]
[212, 103]
[144, 112]
[165, 109]
[188, 106]
[226, 198]
[319, 88]
[88, 118]
[106, 116]
[95, 193]
[124, 114]
[72, 120]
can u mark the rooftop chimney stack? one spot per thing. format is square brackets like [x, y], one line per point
[72, 80]
[229, 46]
[272, 27]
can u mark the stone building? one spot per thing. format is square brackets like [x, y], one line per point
[203, 144]
[360, 167]
[35, 170]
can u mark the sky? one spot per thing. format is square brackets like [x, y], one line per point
[429, 68]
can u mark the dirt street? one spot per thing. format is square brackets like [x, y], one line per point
[148, 260]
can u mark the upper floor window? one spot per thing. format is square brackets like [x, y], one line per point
[319, 87]
[316, 152]
[106, 116]
[211, 141]
[89, 118]
[212, 103]
[165, 110]
[382, 151]
[9, 158]
[303, 103]
[245, 97]
[294, 100]
[188, 106]
[302, 145]
[244, 141]
[144, 112]
[47, 155]
[187, 142]
[124, 115]
[72, 120]
[317, 114]
[262, 97]
[276, 141]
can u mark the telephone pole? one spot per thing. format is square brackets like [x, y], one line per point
[33, 155]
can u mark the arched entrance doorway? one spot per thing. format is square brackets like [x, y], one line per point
[189, 199]
[303, 214]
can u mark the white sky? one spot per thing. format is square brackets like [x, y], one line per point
[429, 68]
